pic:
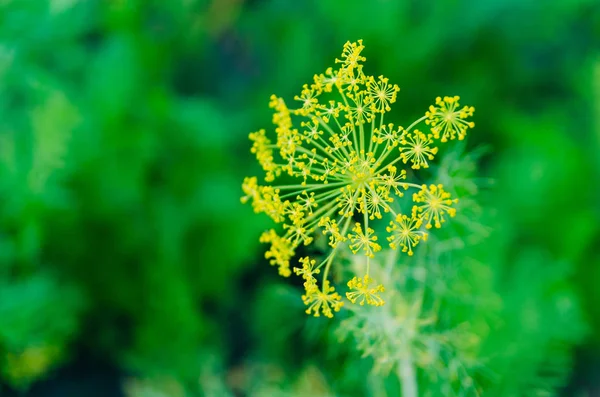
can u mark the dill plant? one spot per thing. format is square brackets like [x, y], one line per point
[338, 169]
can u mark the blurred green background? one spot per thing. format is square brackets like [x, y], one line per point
[128, 265]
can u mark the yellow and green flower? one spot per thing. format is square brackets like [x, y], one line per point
[346, 162]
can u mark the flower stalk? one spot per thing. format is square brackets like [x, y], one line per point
[408, 376]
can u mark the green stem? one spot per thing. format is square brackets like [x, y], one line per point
[408, 377]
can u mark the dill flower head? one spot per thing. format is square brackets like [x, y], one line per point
[334, 167]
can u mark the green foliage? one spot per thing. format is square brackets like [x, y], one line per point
[39, 317]
[123, 130]
[117, 191]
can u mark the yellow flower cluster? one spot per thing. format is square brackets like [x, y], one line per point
[360, 291]
[345, 162]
